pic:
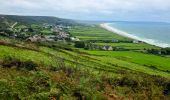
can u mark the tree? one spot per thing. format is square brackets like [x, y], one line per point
[79, 44]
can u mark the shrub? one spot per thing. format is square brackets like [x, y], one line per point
[125, 81]
[5, 91]
[167, 89]
[29, 65]
[10, 62]
[79, 44]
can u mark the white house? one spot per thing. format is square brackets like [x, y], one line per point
[135, 41]
[74, 39]
[109, 48]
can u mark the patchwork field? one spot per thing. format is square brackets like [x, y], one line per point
[94, 33]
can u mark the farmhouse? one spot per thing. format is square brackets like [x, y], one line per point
[115, 40]
[56, 29]
[36, 38]
[62, 35]
[109, 48]
[74, 39]
[135, 41]
[50, 37]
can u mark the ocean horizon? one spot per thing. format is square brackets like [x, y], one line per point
[154, 33]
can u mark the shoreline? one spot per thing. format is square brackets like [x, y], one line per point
[125, 34]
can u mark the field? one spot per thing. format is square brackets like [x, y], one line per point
[94, 33]
[130, 46]
[135, 61]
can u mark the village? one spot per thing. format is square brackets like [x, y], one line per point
[54, 33]
[38, 33]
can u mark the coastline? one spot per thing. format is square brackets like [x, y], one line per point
[125, 34]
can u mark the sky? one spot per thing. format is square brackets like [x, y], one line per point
[104, 10]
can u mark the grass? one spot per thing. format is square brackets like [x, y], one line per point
[98, 59]
[24, 55]
[37, 84]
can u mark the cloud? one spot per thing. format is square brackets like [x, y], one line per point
[91, 9]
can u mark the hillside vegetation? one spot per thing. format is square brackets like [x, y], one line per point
[60, 70]
[28, 20]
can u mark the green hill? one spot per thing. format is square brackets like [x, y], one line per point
[36, 19]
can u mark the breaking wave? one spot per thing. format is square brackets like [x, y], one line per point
[147, 40]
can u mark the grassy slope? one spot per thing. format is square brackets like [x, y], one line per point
[97, 59]
[25, 55]
[52, 71]
[136, 61]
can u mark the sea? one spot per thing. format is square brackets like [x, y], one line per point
[155, 33]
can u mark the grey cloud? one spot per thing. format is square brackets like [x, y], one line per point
[90, 9]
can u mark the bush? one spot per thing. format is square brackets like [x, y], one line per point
[167, 89]
[10, 62]
[79, 44]
[5, 91]
[125, 81]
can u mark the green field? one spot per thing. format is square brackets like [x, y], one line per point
[131, 46]
[144, 60]
[94, 33]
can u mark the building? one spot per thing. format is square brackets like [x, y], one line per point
[115, 40]
[109, 48]
[135, 41]
[36, 38]
[62, 35]
[50, 37]
[74, 39]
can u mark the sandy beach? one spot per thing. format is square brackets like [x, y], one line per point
[125, 34]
